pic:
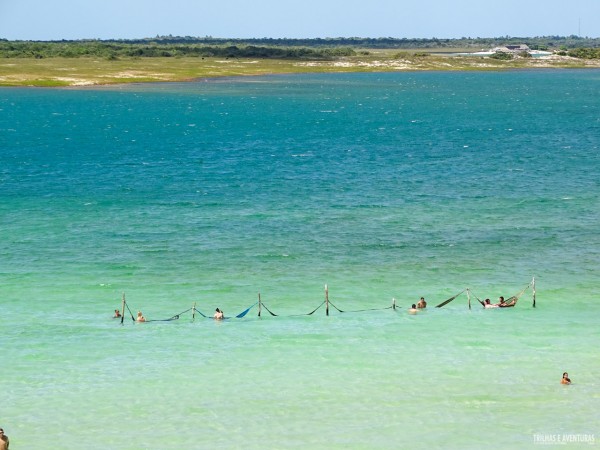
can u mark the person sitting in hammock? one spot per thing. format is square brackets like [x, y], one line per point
[422, 303]
[140, 317]
[218, 314]
[504, 304]
[117, 314]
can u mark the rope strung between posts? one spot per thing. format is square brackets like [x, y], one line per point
[313, 311]
[470, 292]
[308, 314]
[450, 299]
[269, 311]
[336, 307]
[132, 318]
[369, 309]
[200, 312]
[193, 309]
[516, 297]
[511, 301]
[175, 317]
[476, 298]
[393, 306]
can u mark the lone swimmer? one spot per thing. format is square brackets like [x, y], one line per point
[565, 379]
[4, 441]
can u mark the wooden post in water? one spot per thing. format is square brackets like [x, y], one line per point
[259, 305]
[194, 312]
[123, 309]
[326, 301]
[394, 304]
[469, 297]
[533, 286]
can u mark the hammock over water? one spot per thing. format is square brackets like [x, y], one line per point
[510, 302]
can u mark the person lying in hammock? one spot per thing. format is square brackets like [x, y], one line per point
[486, 304]
[501, 303]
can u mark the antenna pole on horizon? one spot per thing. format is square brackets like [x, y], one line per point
[123, 308]
[533, 286]
[259, 305]
[326, 301]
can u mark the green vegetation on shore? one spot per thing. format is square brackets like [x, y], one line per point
[162, 49]
[269, 47]
[94, 62]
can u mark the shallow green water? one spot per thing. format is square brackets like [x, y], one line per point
[380, 185]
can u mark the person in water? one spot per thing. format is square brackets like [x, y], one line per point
[487, 304]
[117, 314]
[4, 441]
[422, 303]
[413, 309]
[218, 314]
[565, 379]
[140, 317]
[504, 304]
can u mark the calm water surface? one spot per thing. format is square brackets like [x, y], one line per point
[379, 185]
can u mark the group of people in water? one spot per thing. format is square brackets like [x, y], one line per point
[219, 315]
[415, 307]
[421, 304]
[140, 317]
[501, 303]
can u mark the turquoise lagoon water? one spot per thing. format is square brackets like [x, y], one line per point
[379, 185]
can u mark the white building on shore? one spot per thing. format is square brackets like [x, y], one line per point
[514, 49]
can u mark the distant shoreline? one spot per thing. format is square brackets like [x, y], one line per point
[89, 71]
[167, 58]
